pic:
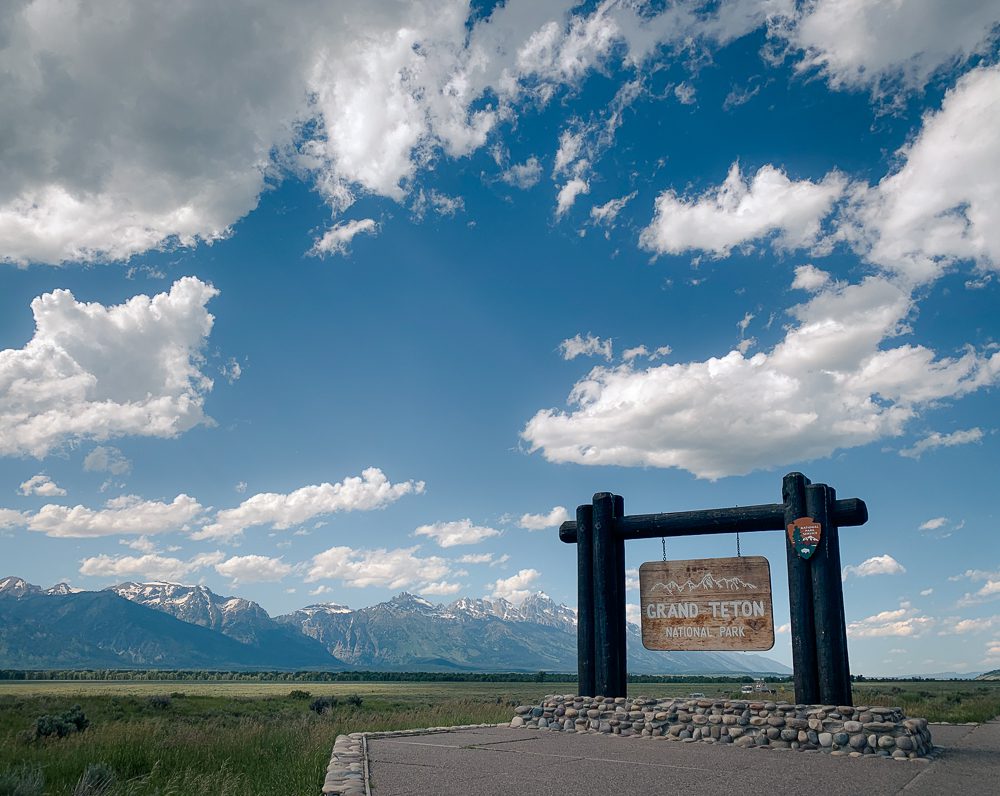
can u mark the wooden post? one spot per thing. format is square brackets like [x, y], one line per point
[621, 686]
[800, 597]
[585, 600]
[605, 590]
[838, 584]
[828, 602]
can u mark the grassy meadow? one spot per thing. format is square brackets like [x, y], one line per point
[229, 739]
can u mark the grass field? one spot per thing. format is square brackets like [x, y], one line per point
[229, 739]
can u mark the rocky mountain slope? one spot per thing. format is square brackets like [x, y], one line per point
[167, 625]
[409, 632]
[236, 617]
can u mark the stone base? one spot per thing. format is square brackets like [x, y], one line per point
[837, 729]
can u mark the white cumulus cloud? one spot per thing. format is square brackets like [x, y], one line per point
[539, 522]
[738, 213]
[517, 588]
[42, 485]
[832, 382]
[876, 565]
[392, 569]
[10, 518]
[901, 622]
[371, 490]
[458, 532]
[253, 569]
[873, 44]
[96, 372]
[977, 625]
[212, 105]
[939, 206]
[128, 514]
[148, 567]
[809, 277]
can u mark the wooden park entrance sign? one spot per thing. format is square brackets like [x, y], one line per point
[810, 515]
[706, 604]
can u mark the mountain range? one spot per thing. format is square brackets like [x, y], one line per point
[173, 626]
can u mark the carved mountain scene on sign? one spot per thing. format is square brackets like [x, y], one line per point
[708, 582]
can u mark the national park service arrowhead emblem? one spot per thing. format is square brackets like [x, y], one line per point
[804, 534]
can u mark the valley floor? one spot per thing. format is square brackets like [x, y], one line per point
[275, 738]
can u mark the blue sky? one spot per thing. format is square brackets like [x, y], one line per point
[322, 303]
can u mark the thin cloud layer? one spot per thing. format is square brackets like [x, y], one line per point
[107, 459]
[96, 372]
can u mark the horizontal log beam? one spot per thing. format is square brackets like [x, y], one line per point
[767, 517]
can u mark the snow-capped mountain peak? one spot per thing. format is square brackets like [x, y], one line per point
[18, 587]
[62, 588]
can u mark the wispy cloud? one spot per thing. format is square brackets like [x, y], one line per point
[936, 440]
[591, 345]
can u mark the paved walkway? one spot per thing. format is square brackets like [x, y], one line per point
[500, 760]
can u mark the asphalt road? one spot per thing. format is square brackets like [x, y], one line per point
[523, 762]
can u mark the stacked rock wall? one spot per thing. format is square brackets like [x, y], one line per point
[838, 729]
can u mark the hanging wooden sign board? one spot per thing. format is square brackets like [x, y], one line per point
[707, 604]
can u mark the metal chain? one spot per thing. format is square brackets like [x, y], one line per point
[738, 553]
[663, 541]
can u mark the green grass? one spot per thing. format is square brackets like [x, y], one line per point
[956, 701]
[230, 739]
[221, 739]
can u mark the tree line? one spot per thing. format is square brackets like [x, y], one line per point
[195, 675]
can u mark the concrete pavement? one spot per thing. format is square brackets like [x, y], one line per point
[501, 760]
